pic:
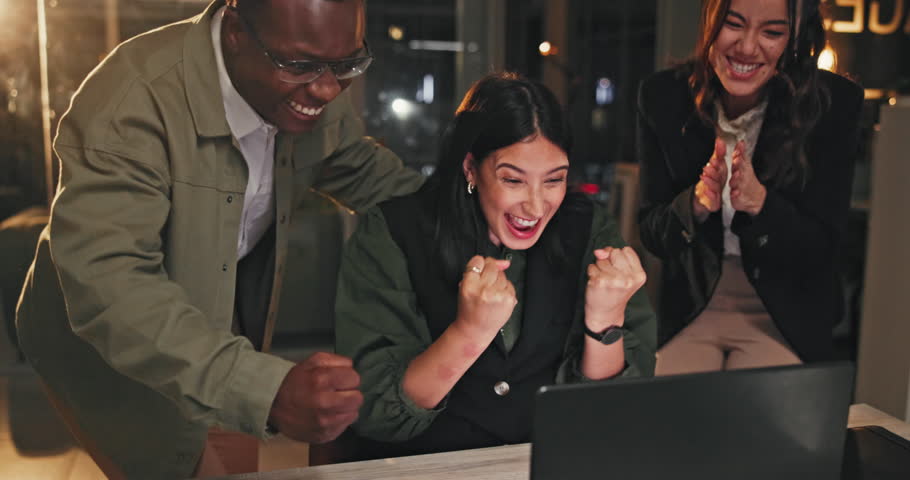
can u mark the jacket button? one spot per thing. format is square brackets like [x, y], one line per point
[230, 198]
[224, 267]
[687, 236]
[762, 240]
[755, 273]
[283, 219]
[501, 388]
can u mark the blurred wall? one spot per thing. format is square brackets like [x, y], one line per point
[883, 373]
[677, 30]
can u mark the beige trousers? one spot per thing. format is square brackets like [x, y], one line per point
[735, 331]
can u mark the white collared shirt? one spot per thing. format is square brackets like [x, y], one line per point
[744, 128]
[256, 139]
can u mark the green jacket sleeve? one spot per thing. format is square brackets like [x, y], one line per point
[639, 327]
[107, 229]
[378, 325]
[360, 172]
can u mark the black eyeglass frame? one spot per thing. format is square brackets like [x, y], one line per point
[285, 66]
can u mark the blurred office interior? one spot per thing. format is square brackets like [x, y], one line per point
[592, 53]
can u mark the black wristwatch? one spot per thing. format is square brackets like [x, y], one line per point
[607, 337]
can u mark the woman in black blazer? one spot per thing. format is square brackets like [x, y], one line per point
[747, 156]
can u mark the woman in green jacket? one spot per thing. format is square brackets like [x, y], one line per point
[458, 302]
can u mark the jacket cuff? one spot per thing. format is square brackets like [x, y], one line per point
[682, 208]
[627, 371]
[251, 391]
[576, 376]
[570, 369]
[689, 228]
[393, 416]
[415, 411]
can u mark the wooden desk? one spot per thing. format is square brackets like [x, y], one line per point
[510, 462]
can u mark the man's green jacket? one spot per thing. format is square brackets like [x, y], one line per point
[127, 311]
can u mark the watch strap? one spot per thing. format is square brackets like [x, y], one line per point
[610, 335]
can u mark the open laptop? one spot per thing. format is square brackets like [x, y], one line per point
[776, 423]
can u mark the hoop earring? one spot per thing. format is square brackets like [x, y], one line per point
[470, 188]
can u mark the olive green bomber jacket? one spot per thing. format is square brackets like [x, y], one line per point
[126, 313]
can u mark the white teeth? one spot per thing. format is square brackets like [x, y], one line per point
[522, 222]
[743, 68]
[305, 110]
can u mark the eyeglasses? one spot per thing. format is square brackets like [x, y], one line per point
[306, 71]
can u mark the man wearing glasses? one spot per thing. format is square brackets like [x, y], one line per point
[153, 293]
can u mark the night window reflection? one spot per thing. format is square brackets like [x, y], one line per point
[409, 91]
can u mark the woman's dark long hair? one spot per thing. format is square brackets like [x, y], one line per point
[499, 110]
[796, 98]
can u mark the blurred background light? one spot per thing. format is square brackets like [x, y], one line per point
[604, 92]
[436, 45]
[827, 60]
[402, 108]
[396, 33]
[427, 92]
[545, 48]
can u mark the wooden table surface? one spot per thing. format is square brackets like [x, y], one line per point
[511, 462]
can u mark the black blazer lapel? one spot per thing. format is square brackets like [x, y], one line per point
[551, 290]
[698, 146]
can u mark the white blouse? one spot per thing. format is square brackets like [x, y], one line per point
[744, 128]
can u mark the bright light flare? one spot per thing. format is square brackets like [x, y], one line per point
[827, 59]
[545, 48]
[402, 108]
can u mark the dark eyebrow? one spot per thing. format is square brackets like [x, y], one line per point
[737, 15]
[769, 22]
[513, 167]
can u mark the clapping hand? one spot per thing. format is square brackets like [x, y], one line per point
[711, 183]
[747, 194]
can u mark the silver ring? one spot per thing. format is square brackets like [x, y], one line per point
[476, 270]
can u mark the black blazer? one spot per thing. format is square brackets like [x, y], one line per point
[788, 250]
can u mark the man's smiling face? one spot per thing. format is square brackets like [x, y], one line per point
[290, 30]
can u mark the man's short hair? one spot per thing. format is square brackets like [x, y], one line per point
[251, 5]
[251, 8]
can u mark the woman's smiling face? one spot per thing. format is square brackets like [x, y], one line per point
[520, 187]
[748, 47]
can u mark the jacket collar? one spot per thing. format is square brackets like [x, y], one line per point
[241, 117]
[200, 76]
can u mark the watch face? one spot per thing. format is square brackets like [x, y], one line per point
[612, 335]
